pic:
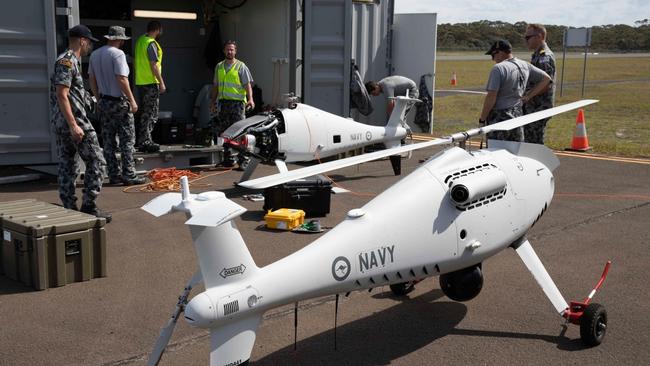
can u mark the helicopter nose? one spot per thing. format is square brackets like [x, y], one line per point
[200, 311]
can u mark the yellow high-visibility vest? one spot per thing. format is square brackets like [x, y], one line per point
[230, 87]
[143, 73]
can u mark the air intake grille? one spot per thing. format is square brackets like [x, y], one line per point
[467, 171]
[231, 308]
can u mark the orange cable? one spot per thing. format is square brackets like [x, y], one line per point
[168, 180]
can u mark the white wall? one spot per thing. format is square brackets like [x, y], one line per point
[27, 52]
[261, 30]
[414, 48]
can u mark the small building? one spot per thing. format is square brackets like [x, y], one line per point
[305, 47]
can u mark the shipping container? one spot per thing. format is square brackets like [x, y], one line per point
[308, 48]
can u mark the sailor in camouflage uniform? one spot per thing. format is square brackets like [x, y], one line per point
[108, 74]
[150, 102]
[505, 90]
[229, 113]
[232, 88]
[74, 132]
[544, 59]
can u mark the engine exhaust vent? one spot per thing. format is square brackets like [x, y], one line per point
[231, 308]
[476, 186]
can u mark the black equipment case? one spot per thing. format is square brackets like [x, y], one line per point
[311, 195]
[168, 131]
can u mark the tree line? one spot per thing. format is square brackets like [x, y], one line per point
[479, 35]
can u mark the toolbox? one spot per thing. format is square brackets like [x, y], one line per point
[312, 195]
[284, 218]
[44, 245]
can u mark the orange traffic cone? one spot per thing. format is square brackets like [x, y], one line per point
[580, 141]
[454, 81]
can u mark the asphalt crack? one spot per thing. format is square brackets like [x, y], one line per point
[587, 221]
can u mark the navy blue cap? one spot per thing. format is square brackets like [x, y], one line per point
[500, 45]
[81, 31]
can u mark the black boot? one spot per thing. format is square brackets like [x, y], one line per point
[72, 207]
[134, 181]
[93, 210]
[228, 161]
[153, 147]
[149, 147]
[243, 163]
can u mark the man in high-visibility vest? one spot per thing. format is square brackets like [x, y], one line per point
[233, 92]
[149, 83]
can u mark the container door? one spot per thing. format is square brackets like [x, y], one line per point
[28, 40]
[327, 50]
[371, 24]
[296, 24]
[414, 52]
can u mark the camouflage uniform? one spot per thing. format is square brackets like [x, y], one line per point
[149, 105]
[230, 111]
[499, 115]
[67, 72]
[545, 60]
[117, 121]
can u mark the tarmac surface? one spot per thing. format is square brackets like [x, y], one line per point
[600, 212]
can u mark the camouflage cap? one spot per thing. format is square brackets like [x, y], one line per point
[116, 32]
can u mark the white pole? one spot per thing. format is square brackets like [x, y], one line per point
[185, 189]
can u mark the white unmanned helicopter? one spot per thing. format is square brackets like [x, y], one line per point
[304, 133]
[463, 207]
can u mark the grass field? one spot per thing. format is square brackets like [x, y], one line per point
[618, 125]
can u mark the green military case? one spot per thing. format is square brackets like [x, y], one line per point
[44, 245]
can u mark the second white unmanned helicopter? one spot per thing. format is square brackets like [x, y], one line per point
[301, 132]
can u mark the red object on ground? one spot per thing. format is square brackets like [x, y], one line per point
[576, 308]
[580, 141]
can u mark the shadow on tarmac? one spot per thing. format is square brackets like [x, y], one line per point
[376, 339]
[45, 183]
[384, 336]
[257, 216]
[562, 342]
[9, 286]
[338, 178]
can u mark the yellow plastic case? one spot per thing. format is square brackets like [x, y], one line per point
[284, 219]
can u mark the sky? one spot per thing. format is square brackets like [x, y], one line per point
[575, 13]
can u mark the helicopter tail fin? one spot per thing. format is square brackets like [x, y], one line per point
[233, 343]
[398, 115]
[395, 160]
[220, 249]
